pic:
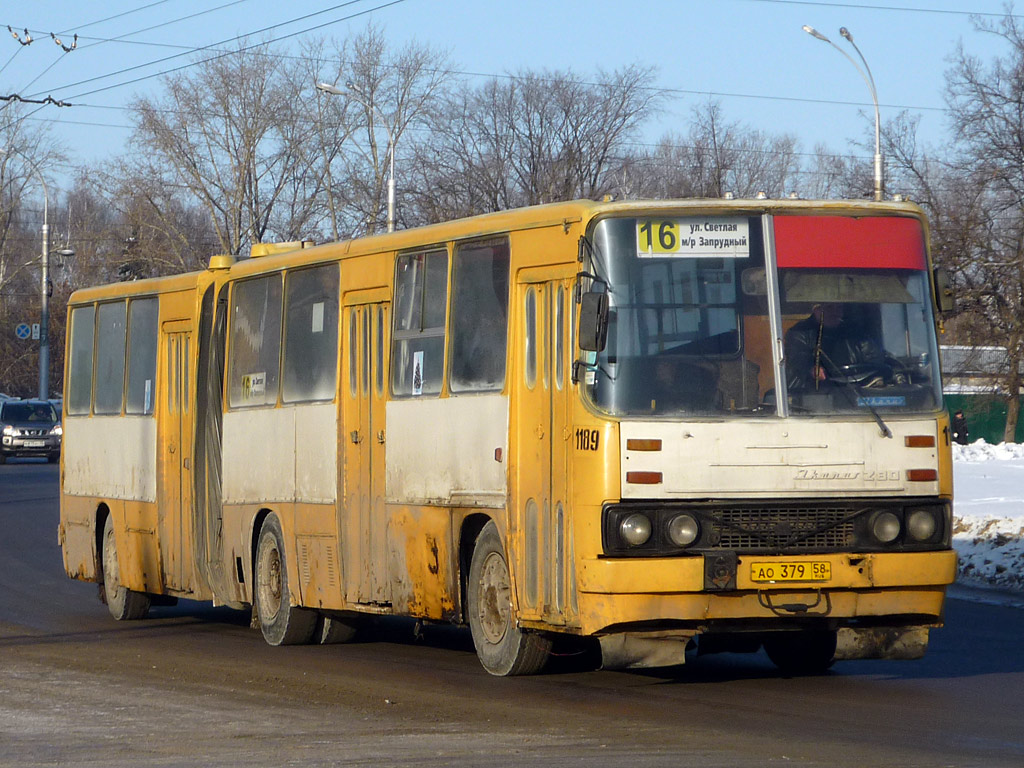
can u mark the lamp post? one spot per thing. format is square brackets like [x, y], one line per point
[44, 285]
[354, 92]
[866, 74]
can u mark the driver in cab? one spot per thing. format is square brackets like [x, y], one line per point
[829, 345]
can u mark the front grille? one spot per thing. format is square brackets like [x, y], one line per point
[751, 529]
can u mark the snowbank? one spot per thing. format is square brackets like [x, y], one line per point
[988, 513]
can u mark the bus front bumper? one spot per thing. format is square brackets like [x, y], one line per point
[906, 587]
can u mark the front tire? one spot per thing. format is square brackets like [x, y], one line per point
[503, 648]
[123, 603]
[809, 652]
[281, 622]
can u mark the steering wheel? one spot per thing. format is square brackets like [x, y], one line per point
[863, 374]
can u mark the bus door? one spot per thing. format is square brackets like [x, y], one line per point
[546, 582]
[364, 523]
[175, 451]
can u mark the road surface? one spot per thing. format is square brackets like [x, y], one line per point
[194, 685]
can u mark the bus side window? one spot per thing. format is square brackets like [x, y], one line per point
[421, 304]
[142, 344]
[310, 334]
[479, 316]
[110, 348]
[255, 344]
[83, 331]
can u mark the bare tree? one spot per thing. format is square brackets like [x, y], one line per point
[532, 138]
[27, 160]
[228, 132]
[718, 156]
[973, 190]
[389, 94]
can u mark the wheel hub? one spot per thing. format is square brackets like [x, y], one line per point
[496, 606]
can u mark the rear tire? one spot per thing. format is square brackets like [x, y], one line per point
[281, 622]
[123, 603]
[503, 648]
[809, 652]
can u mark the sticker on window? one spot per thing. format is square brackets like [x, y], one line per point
[693, 238]
[882, 401]
[318, 318]
[417, 372]
[254, 386]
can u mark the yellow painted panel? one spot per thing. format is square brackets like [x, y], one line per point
[600, 611]
[849, 571]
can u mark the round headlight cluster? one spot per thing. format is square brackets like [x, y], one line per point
[886, 527]
[921, 524]
[635, 529]
[683, 530]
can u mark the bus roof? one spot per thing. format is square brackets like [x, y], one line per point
[563, 214]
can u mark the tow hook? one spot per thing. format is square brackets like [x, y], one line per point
[800, 609]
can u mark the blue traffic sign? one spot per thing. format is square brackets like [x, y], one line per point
[23, 331]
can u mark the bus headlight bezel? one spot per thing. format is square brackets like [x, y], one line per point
[635, 529]
[921, 524]
[886, 527]
[683, 530]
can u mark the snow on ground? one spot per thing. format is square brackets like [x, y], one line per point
[988, 513]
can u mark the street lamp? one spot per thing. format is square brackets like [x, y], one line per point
[44, 312]
[354, 92]
[866, 74]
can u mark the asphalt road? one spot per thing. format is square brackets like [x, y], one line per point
[193, 685]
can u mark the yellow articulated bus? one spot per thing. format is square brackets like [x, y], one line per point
[669, 426]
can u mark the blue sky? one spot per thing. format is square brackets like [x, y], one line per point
[751, 55]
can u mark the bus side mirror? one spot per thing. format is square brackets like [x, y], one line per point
[944, 291]
[593, 326]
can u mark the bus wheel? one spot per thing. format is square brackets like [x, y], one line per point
[123, 603]
[282, 623]
[809, 652]
[502, 647]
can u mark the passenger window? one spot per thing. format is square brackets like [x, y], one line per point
[353, 352]
[83, 332]
[379, 351]
[479, 316]
[142, 344]
[367, 317]
[560, 338]
[421, 303]
[110, 348]
[531, 337]
[310, 334]
[255, 345]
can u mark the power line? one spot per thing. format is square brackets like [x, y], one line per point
[226, 41]
[88, 24]
[901, 8]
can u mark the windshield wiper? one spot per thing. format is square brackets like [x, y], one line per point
[858, 396]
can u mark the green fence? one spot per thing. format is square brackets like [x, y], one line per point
[986, 416]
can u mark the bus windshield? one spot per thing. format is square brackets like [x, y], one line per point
[689, 331]
[857, 312]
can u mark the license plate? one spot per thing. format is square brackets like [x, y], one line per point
[804, 571]
[35, 443]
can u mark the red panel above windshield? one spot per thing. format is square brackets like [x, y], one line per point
[844, 242]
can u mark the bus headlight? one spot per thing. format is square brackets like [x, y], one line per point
[683, 530]
[635, 529]
[885, 527]
[921, 524]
